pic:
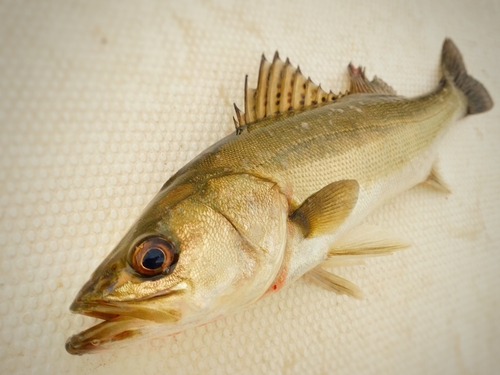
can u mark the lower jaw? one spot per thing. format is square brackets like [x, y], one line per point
[113, 333]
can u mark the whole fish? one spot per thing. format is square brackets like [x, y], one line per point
[282, 196]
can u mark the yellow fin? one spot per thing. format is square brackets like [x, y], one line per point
[334, 282]
[280, 88]
[326, 209]
[436, 181]
[361, 84]
[364, 240]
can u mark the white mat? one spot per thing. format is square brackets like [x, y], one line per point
[100, 102]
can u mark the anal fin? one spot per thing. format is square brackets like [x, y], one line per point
[334, 282]
[363, 241]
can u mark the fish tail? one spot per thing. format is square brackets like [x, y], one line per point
[452, 63]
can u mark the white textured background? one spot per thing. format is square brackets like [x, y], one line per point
[100, 102]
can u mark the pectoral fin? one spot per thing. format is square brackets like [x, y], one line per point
[333, 282]
[326, 209]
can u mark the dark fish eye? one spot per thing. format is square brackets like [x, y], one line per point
[153, 256]
[153, 259]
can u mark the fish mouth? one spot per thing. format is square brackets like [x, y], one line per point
[122, 322]
[106, 334]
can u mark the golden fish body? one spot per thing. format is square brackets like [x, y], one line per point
[264, 206]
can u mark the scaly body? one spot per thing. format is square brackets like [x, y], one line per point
[386, 143]
[265, 205]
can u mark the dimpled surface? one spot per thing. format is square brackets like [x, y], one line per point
[101, 102]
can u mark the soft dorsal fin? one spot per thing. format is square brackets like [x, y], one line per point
[360, 84]
[280, 88]
[327, 209]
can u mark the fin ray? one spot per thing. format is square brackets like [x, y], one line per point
[365, 240]
[262, 88]
[274, 89]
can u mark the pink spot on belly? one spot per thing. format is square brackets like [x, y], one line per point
[279, 281]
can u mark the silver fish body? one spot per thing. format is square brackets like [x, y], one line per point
[275, 200]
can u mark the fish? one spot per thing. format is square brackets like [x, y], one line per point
[283, 196]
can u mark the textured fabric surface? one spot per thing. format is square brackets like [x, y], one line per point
[100, 102]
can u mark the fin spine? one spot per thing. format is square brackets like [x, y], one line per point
[280, 88]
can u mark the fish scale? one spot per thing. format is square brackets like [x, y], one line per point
[388, 129]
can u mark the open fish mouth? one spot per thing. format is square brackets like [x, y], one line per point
[121, 323]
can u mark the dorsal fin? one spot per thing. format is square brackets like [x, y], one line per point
[280, 88]
[360, 84]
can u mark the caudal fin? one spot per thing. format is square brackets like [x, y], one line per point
[454, 70]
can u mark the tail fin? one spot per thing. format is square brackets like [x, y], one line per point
[454, 70]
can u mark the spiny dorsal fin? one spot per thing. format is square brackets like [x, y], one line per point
[360, 84]
[280, 88]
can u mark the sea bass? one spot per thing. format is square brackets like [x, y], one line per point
[281, 197]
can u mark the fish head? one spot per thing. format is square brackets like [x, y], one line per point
[195, 254]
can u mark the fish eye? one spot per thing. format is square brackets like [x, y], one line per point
[153, 256]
